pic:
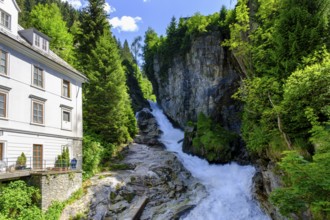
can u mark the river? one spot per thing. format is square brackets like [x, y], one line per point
[229, 186]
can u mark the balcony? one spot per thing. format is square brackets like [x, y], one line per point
[10, 169]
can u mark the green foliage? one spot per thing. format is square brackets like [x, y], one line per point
[238, 41]
[70, 15]
[107, 105]
[259, 116]
[63, 160]
[93, 25]
[92, 155]
[108, 117]
[48, 19]
[211, 140]
[300, 29]
[19, 201]
[21, 160]
[54, 211]
[307, 88]
[307, 184]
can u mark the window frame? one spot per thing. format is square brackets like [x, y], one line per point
[2, 51]
[34, 101]
[3, 20]
[5, 104]
[37, 67]
[44, 44]
[66, 125]
[68, 89]
[37, 40]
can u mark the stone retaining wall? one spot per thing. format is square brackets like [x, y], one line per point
[56, 186]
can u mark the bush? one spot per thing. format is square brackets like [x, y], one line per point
[63, 160]
[212, 141]
[21, 160]
[92, 155]
[19, 200]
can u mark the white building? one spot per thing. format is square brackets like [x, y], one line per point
[40, 96]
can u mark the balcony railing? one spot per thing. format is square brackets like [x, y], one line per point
[10, 164]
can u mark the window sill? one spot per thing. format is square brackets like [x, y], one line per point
[67, 98]
[4, 75]
[36, 87]
[65, 129]
[41, 125]
[4, 119]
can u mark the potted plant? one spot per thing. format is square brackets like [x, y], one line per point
[21, 162]
[63, 160]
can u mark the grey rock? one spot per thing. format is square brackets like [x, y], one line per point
[202, 80]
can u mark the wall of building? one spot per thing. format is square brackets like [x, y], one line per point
[16, 143]
[19, 133]
[56, 187]
[9, 7]
[20, 81]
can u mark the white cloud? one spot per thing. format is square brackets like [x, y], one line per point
[146, 0]
[125, 23]
[75, 3]
[108, 8]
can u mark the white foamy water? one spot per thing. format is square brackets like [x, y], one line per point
[229, 186]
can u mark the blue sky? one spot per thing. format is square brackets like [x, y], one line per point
[131, 18]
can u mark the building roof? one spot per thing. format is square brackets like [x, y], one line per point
[33, 30]
[49, 55]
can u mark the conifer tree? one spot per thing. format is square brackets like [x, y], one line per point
[126, 52]
[107, 108]
[94, 24]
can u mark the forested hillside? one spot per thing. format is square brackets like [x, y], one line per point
[282, 51]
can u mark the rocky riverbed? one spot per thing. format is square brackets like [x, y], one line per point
[154, 175]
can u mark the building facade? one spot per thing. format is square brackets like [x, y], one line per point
[40, 97]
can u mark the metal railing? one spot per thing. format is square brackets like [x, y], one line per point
[11, 164]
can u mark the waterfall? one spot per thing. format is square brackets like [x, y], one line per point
[229, 186]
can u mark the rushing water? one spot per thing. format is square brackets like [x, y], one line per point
[228, 186]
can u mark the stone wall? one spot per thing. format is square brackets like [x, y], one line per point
[56, 186]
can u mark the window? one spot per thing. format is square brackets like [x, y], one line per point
[37, 112]
[5, 19]
[44, 44]
[66, 116]
[66, 89]
[3, 105]
[38, 77]
[3, 62]
[36, 40]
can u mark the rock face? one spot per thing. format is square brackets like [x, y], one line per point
[149, 131]
[202, 81]
[265, 181]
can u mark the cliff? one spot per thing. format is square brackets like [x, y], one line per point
[202, 80]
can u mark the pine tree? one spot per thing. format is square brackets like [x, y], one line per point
[107, 106]
[94, 24]
[126, 52]
[301, 29]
